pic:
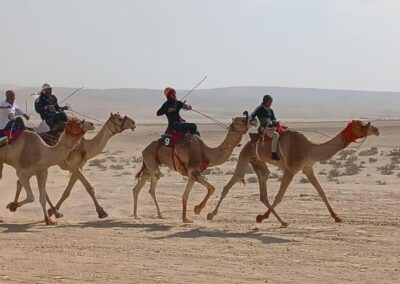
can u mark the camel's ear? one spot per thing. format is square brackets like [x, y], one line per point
[368, 124]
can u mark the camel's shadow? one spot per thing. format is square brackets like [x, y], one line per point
[198, 233]
[110, 224]
[17, 228]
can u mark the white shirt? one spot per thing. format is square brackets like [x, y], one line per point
[6, 113]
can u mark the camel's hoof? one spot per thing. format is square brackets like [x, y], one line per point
[12, 206]
[187, 220]
[49, 222]
[50, 212]
[197, 209]
[259, 218]
[210, 216]
[137, 217]
[58, 215]
[161, 216]
[102, 214]
[284, 225]
[338, 220]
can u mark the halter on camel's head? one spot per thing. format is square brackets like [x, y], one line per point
[357, 129]
[77, 128]
[117, 123]
[242, 124]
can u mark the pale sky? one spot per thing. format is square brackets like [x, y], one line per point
[347, 44]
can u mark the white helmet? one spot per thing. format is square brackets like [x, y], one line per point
[46, 86]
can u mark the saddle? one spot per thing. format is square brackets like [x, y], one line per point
[172, 137]
[280, 128]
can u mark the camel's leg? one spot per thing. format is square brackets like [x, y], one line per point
[1, 170]
[309, 172]
[237, 176]
[52, 210]
[262, 172]
[135, 192]
[67, 191]
[12, 206]
[41, 179]
[89, 188]
[185, 198]
[286, 180]
[210, 191]
[23, 182]
[152, 191]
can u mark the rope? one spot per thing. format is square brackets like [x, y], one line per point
[198, 84]
[223, 125]
[84, 115]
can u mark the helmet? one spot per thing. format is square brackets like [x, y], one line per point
[169, 91]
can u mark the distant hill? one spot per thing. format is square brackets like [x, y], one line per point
[224, 103]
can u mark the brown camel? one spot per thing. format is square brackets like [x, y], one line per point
[84, 151]
[297, 154]
[189, 159]
[30, 156]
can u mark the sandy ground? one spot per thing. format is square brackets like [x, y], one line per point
[232, 248]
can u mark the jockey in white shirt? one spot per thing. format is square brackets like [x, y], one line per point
[9, 113]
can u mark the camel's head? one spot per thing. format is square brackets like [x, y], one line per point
[76, 127]
[357, 129]
[118, 123]
[243, 123]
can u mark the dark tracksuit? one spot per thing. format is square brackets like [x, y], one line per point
[175, 121]
[267, 118]
[51, 117]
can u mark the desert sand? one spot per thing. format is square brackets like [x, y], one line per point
[362, 185]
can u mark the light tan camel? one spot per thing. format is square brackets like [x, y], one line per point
[30, 156]
[190, 159]
[297, 154]
[84, 151]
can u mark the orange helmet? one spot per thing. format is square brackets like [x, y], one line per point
[169, 91]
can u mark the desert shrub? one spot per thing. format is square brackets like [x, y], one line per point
[252, 180]
[116, 167]
[137, 159]
[395, 159]
[344, 153]
[387, 169]
[394, 152]
[228, 173]
[213, 171]
[304, 180]
[369, 152]
[98, 163]
[274, 176]
[372, 160]
[333, 173]
[398, 175]
[322, 173]
[324, 162]
[335, 164]
[379, 182]
[126, 173]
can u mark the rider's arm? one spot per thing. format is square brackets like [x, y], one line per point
[162, 110]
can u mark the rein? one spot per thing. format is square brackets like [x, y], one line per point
[115, 130]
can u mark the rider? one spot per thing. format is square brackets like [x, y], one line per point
[10, 114]
[171, 109]
[267, 118]
[47, 106]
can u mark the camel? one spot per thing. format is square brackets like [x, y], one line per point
[189, 159]
[86, 150]
[297, 154]
[30, 156]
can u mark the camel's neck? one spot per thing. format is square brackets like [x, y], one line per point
[59, 152]
[220, 154]
[325, 151]
[95, 146]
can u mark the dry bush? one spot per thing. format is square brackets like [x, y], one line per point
[322, 173]
[98, 163]
[137, 159]
[274, 176]
[232, 159]
[387, 169]
[324, 162]
[126, 173]
[395, 159]
[398, 175]
[251, 180]
[379, 182]
[213, 171]
[369, 152]
[116, 167]
[332, 174]
[372, 160]
[350, 167]
[228, 173]
[344, 153]
[304, 180]
[335, 164]
[394, 152]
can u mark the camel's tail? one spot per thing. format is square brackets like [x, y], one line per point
[141, 172]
